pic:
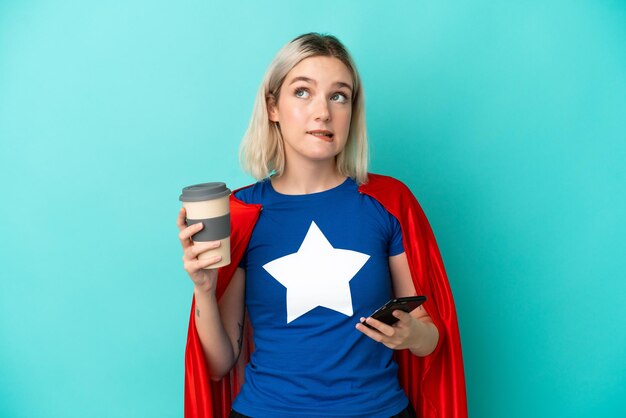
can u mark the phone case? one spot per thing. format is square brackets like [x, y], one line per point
[385, 313]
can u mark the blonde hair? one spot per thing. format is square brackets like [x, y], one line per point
[262, 151]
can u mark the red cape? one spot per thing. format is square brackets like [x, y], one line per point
[435, 384]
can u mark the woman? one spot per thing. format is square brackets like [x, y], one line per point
[330, 245]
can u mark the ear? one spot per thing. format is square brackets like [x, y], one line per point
[272, 108]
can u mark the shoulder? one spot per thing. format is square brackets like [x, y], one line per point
[394, 195]
[386, 184]
[252, 193]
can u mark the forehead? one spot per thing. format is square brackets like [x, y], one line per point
[327, 70]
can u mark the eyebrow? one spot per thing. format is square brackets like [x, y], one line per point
[310, 80]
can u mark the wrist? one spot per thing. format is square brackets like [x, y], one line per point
[204, 289]
[206, 282]
[428, 339]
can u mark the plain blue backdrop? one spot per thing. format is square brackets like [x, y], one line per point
[506, 119]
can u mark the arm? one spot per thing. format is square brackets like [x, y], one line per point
[415, 331]
[220, 324]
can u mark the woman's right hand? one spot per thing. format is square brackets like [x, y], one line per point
[204, 280]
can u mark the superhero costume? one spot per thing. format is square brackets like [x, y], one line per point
[315, 263]
[435, 384]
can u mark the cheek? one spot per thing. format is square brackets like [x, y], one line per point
[294, 114]
[344, 118]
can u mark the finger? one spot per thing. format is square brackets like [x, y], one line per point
[372, 333]
[193, 266]
[403, 317]
[186, 233]
[200, 264]
[380, 326]
[180, 220]
[193, 251]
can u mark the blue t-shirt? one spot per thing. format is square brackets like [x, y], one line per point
[314, 265]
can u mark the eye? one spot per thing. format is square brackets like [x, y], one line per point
[339, 98]
[302, 93]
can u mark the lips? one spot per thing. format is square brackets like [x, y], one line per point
[322, 134]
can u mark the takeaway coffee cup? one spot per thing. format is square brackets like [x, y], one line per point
[209, 203]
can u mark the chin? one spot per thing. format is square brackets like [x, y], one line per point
[323, 156]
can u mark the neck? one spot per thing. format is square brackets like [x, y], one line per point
[306, 179]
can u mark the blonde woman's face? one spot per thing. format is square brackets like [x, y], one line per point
[314, 109]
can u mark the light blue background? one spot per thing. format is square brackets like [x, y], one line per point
[507, 120]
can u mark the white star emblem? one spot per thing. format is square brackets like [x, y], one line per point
[317, 275]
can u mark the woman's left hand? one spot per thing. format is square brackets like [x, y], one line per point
[409, 332]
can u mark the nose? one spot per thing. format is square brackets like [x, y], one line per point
[322, 110]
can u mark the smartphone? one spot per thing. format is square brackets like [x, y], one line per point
[406, 304]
